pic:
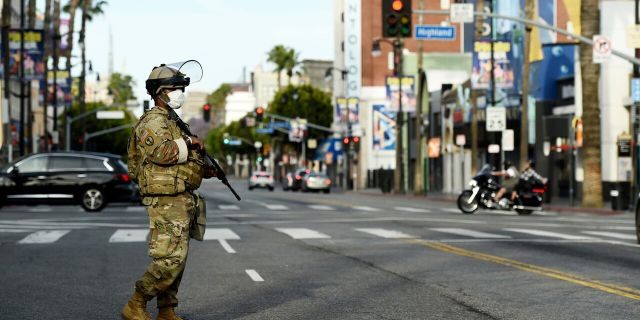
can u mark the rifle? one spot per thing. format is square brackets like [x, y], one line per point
[212, 162]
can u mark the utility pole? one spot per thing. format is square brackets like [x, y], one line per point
[47, 35]
[6, 26]
[56, 39]
[474, 98]
[86, 5]
[524, 114]
[419, 173]
[21, 80]
[399, 172]
[492, 86]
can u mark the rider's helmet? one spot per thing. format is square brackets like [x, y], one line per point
[165, 77]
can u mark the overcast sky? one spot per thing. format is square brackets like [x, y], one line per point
[224, 35]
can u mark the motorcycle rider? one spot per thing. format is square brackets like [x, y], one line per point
[511, 178]
[530, 172]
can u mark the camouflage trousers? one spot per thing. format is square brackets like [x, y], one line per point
[170, 218]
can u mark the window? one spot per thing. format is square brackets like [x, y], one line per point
[36, 164]
[94, 164]
[66, 163]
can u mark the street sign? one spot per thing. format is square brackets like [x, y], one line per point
[461, 140]
[633, 36]
[264, 130]
[462, 12]
[435, 32]
[635, 89]
[119, 114]
[496, 119]
[494, 148]
[235, 142]
[508, 140]
[601, 49]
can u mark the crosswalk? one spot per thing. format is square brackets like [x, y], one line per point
[224, 235]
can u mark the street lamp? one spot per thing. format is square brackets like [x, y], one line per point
[397, 70]
[347, 162]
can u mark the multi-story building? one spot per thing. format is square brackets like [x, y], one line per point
[240, 102]
[193, 103]
[265, 84]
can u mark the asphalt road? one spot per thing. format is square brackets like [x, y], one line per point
[278, 255]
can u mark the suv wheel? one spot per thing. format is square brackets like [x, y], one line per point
[93, 200]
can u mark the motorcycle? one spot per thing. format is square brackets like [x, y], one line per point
[484, 186]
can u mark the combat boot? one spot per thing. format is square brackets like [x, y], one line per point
[136, 308]
[167, 313]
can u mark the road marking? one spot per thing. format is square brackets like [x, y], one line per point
[365, 208]
[623, 236]
[547, 272]
[49, 236]
[136, 209]
[303, 233]
[276, 207]
[39, 210]
[321, 207]
[408, 209]
[129, 235]
[470, 233]
[385, 233]
[220, 234]
[452, 210]
[225, 245]
[549, 234]
[228, 207]
[14, 230]
[254, 275]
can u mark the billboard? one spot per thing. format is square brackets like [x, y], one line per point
[63, 88]
[33, 55]
[384, 128]
[503, 65]
[353, 104]
[408, 94]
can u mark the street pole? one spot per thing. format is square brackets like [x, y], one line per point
[56, 39]
[419, 172]
[6, 26]
[493, 84]
[636, 74]
[524, 114]
[399, 172]
[21, 80]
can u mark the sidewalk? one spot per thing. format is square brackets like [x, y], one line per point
[560, 206]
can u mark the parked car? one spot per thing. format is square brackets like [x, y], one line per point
[298, 178]
[315, 181]
[261, 179]
[89, 179]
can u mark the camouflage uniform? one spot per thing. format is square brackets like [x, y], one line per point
[167, 173]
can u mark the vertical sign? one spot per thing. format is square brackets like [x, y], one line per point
[353, 46]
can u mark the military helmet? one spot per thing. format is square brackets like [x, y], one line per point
[165, 77]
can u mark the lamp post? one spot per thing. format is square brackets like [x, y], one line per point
[328, 75]
[397, 70]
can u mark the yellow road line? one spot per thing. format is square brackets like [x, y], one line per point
[551, 273]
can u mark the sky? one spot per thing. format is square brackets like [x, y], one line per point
[223, 35]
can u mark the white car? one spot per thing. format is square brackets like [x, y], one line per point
[261, 179]
[315, 181]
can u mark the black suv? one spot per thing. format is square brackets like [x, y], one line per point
[88, 179]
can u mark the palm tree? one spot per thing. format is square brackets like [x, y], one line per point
[31, 13]
[292, 61]
[71, 9]
[278, 56]
[592, 190]
[89, 11]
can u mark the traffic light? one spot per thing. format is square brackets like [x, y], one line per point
[396, 18]
[356, 143]
[206, 112]
[259, 114]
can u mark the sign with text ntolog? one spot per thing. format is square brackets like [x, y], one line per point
[434, 32]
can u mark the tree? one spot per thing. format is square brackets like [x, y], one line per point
[305, 102]
[592, 191]
[89, 11]
[279, 56]
[115, 143]
[218, 100]
[291, 63]
[121, 87]
[71, 8]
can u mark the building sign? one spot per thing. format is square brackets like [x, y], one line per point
[601, 49]
[624, 145]
[408, 94]
[384, 128]
[33, 55]
[503, 66]
[353, 46]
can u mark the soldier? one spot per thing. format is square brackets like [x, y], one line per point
[168, 166]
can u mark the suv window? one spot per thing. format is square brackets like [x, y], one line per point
[94, 164]
[66, 163]
[36, 164]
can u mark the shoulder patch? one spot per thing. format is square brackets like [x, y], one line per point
[149, 141]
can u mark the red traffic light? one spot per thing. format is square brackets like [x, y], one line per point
[345, 140]
[356, 139]
[259, 110]
[397, 5]
[206, 107]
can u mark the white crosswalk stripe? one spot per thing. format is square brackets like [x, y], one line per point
[409, 209]
[470, 233]
[321, 208]
[228, 207]
[276, 207]
[303, 233]
[615, 235]
[549, 234]
[385, 233]
[49, 236]
[220, 234]
[451, 210]
[129, 235]
[365, 208]
[136, 209]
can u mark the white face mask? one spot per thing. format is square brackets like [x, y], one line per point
[176, 99]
